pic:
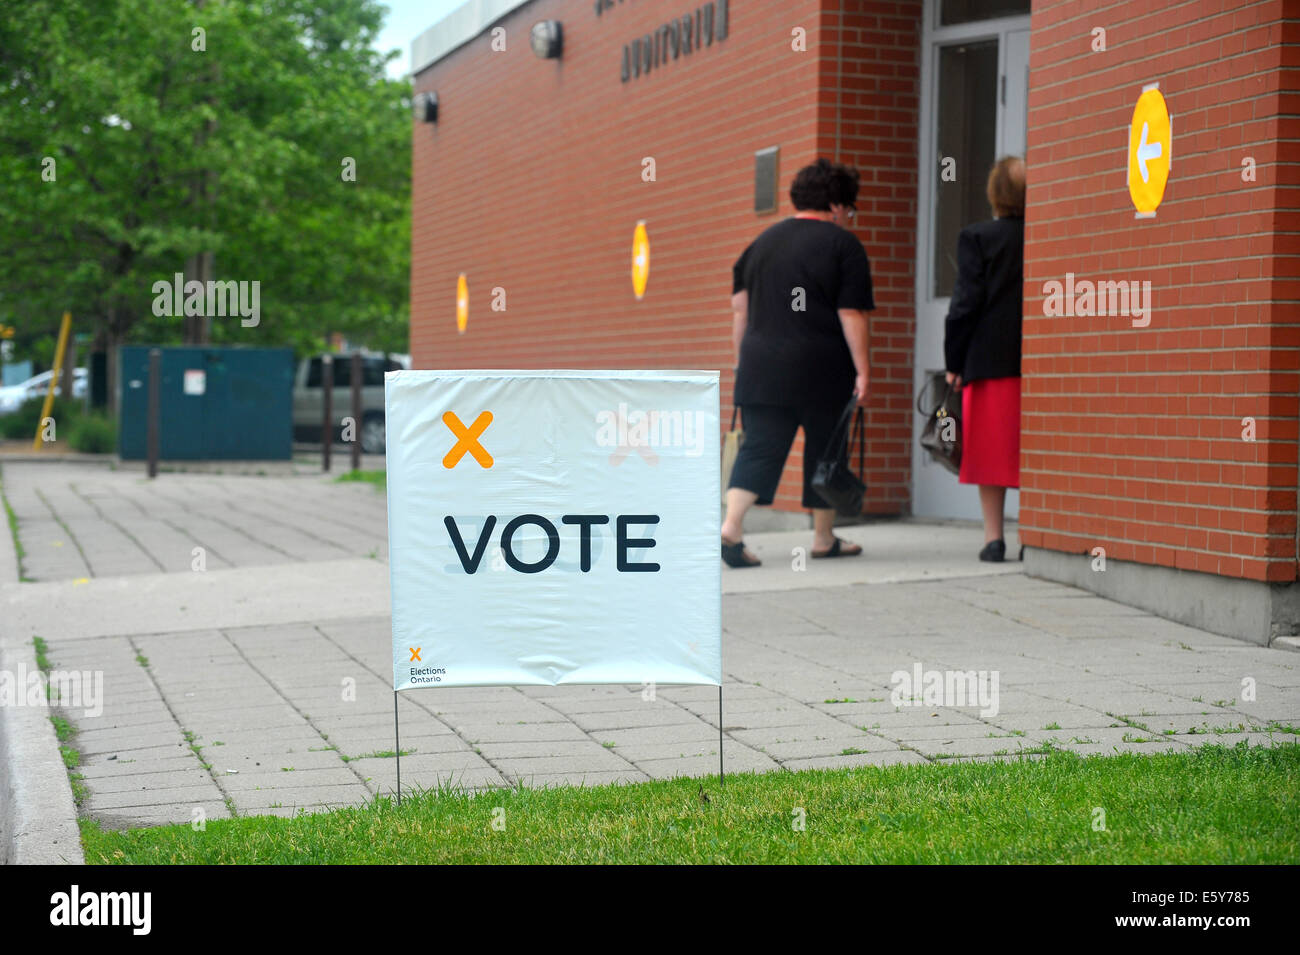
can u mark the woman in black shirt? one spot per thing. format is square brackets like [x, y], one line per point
[800, 294]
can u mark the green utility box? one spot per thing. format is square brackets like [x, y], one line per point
[227, 404]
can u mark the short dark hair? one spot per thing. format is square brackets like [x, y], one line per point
[824, 184]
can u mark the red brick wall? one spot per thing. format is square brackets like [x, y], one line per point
[531, 181]
[1132, 437]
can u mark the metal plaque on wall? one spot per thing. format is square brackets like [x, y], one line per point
[765, 179]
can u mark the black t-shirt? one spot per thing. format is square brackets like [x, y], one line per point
[798, 273]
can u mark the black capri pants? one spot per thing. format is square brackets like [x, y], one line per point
[769, 435]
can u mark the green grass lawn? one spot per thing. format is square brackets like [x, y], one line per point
[1212, 805]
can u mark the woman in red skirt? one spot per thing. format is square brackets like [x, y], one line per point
[982, 347]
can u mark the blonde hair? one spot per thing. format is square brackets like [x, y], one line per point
[1006, 186]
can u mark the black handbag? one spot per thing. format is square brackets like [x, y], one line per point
[941, 436]
[833, 480]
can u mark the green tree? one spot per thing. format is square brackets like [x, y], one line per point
[141, 138]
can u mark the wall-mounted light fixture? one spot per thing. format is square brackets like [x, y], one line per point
[547, 39]
[425, 107]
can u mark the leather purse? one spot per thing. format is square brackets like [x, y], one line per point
[834, 481]
[941, 436]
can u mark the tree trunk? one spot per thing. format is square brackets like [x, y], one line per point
[199, 268]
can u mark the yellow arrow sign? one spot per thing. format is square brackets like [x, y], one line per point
[640, 259]
[1150, 151]
[462, 303]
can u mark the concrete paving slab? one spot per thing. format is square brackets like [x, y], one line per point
[534, 749]
[299, 779]
[918, 716]
[587, 779]
[943, 747]
[268, 757]
[745, 761]
[604, 761]
[420, 762]
[1065, 739]
[1064, 716]
[693, 732]
[416, 777]
[504, 732]
[636, 753]
[959, 731]
[109, 767]
[155, 782]
[784, 752]
[878, 758]
[150, 797]
[289, 797]
[136, 817]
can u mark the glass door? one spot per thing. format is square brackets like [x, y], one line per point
[974, 91]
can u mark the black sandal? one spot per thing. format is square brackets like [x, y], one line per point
[837, 550]
[733, 555]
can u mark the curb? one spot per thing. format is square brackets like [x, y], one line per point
[9, 569]
[56, 457]
[38, 818]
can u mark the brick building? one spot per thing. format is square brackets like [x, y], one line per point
[531, 172]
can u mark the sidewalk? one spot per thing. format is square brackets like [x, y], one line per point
[82, 520]
[267, 688]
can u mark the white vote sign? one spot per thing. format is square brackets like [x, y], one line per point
[550, 527]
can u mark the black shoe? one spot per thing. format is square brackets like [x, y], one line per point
[994, 552]
[734, 555]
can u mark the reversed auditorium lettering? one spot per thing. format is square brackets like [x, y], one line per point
[471, 562]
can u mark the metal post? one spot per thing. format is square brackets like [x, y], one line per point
[397, 748]
[48, 407]
[722, 774]
[327, 427]
[356, 411]
[155, 405]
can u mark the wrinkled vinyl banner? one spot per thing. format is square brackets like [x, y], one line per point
[550, 527]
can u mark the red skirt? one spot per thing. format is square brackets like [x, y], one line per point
[990, 432]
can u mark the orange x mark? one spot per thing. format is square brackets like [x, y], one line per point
[415, 654]
[467, 439]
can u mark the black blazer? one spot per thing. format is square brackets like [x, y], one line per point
[982, 331]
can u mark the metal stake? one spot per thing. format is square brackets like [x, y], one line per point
[327, 395]
[722, 776]
[357, 413]
[153, 411]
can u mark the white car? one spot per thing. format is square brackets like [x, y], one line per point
[12, 397]
[309, 397]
